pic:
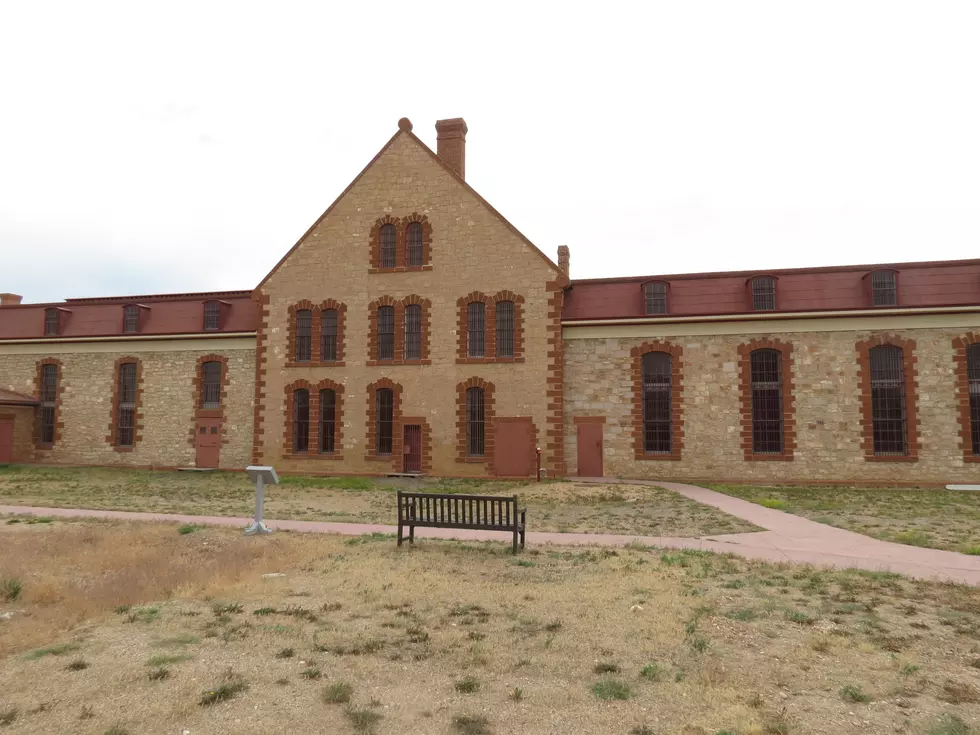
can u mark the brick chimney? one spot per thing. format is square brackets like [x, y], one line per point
[10, 299]
[563, 258]
[451, 144]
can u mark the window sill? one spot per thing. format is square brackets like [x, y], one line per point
[971, 458]
[122, 449]
[887, 458]
[667, 457]
[209, 413]
[312, 455]
[401, 269]
[487, 360]
[471, 460]
[46, 446]
[782, 457]
[382, 363]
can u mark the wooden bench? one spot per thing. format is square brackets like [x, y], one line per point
[479, 512]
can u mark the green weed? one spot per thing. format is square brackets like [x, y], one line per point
[612, 689]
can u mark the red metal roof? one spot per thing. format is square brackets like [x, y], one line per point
[13, 398]
[102, 317]
[949, 283]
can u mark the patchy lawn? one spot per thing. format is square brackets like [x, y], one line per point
[552, 506]
[937, 519]
[143, 629]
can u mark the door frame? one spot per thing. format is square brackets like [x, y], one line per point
[209, 421]
[9, 417]
[406, 447]
[599, 421]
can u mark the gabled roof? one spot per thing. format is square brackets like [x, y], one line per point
[405, 128]
[13, 398]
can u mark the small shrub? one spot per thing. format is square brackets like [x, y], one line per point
[188, 528]
[554, 626]
[745, 615]
[800, 618]
[525, 563]
[734, 584]
[285, 653]
[8, 716]
[231, 686]
[699, 644]
[774, 503]
[971, 550]
[821, 644]
[612, 689]
[914, 537]
[467, 685]
[143, 615]
[471, 725]
[517, 695]
[909, 669]
[949, 724]
[227, 609]
[10, 589]
[159, 674]
[641, 730]
[339, 692]
[604, 667]
[854, 694]
[265, 611]
[311, 673]
[363, 720]
[651, 672]
[123, 609]
[79, 664]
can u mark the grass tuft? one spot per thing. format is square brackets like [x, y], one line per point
[605, 667]
[285, 653]
[79, 664]
[230, 687]
[517, 695]
[853, 693]
[159, 674]
[311, 673]
[363, 720]
[652, 672]
[58, 650]
[467, 685]
[612, 689]
[188, 528]
[8, 716]
[167, 660]
[949, 724]
[471, 725]
[10, 589]
[339, 692]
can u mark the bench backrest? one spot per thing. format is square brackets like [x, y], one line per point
[460, 511]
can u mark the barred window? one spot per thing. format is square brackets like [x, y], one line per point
[328, 335]
[131, 319]
[212, 316]
[126, 407]
[413, 237]
[304, 335]
[884, 288]
[49, 401]
[657, 409]
[386, 333]
[973, 381]
[656, 298]
[474, 422]
[505, 328]
[328, 414]
[767, 401]
[301, 420]
[51, 322]
[384, 420]
[387, 237]
[476, 328]
[763, 293]
[211, 385]
[888, 417]
[413, 332]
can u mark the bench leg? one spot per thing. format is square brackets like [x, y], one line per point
[411, 534]
[515, 541]
[399, 534]
[523, 527]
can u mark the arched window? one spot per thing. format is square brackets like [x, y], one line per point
[884, 288]
[763, 293]
[387, 238]
[386, 333]
[413, 332]
[301, 420]
[476, 329]
[328, 335]
[51, 322]
[384, 420]
[328, 415]
[505, 328]
[211, 385]
[304, 335]
[657, 409]
[888, 411]
[126, 407]
[475, 422]
[49, 402]
[973, 382]
[655, 297]
[413, 240]
[767, 401]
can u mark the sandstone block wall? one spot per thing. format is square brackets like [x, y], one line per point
[828, 416]
[168, 403]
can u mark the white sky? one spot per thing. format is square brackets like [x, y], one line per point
[185, 146]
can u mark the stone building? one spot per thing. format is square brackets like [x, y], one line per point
[414, 329]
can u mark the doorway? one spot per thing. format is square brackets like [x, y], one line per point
[208, 442]
[514, 438]
[412, 449]
[6, 439]
[590, 449]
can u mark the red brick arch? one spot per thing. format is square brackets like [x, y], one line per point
[396, 422]
[488, 419]
[676, 399]
[785, 350]
[910, 370]
[314, 332]
[341, 309]
[375, 244]
[426, 242]
[960, 346]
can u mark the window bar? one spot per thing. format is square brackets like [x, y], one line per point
[767, 401]
[387, 254]
[386, 333]
[304, 334]
[301, 420]
[476, 328]
[328, 335]
[413, 332]
[505, 329]
[475, 422]
[385, 419]
[657, 408]
[888, 414]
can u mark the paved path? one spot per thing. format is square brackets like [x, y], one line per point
[788, 538]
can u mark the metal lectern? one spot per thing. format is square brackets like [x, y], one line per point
[260, 476]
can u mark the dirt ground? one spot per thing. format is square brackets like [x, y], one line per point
[552, 506]
[122, 628]
[936, 519]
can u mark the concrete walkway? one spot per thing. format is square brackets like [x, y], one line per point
[788, 538]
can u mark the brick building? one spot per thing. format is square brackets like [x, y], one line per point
[414, 329]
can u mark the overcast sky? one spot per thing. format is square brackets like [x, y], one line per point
[185, 146]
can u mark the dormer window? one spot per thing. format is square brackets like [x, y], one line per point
[212, 316]
[655, 297]
[884, 288]
[131, 319]
[762, 290]
[52, 322]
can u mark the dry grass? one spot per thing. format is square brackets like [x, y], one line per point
[935, 519]
[439, 638]
[552, 506]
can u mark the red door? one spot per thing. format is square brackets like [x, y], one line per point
[590, 450]
[513, 448]
[412, 448]
[6, 439]
[208, 442]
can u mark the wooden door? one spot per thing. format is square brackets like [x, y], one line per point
[6, 439]
[513, 448]
[208, 442]
[412, 449]
[590, 450]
